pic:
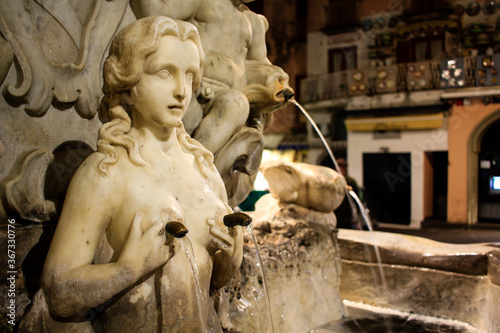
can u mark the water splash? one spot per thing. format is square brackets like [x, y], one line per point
[187, 246]
[264, 283]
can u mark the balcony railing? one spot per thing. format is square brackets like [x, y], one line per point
[389, 79]
[429, 75]
[324, 87]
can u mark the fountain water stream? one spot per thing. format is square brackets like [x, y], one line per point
[244, 220]
[335, 164]
[178, 230]
[330, 153]
[188, 249]
[382, 323]
[354, 201]
[366, 218]
[261, 268]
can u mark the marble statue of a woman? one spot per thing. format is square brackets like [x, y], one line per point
[240, 87]
[110, 250]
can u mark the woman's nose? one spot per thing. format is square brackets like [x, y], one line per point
[180, 89]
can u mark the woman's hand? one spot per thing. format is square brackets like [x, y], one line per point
[228, 254]
[145, 252]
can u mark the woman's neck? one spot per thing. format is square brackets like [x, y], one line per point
[152, 142]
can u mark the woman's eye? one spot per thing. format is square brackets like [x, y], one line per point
[189, 77]
[164, 74]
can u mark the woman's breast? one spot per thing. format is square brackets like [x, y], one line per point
[155, 205]
[193, 204]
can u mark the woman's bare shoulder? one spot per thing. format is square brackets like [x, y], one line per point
[94, 173]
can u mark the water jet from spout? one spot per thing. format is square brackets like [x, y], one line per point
[188, 249]
[244, 220]
[350, 197]
[364, 213]
[261, 268]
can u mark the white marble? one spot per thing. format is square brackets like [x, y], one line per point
[312, 186]
[110, 242]
[240, 87]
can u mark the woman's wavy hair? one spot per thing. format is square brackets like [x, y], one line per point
[122, 70]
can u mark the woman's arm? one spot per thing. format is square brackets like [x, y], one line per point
[70, 281]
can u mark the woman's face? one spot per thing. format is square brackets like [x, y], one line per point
[163, 93]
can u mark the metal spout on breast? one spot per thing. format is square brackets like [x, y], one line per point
[176, 229]
[234, 219]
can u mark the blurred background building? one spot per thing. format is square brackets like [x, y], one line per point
[407, 90]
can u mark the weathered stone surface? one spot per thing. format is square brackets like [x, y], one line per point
[412, 289]
[24, 188]
[312, 186]
[238, 163]
[491, 309]
[59, 51]
[6, 59]
[27, 267]
[414, 251]
[301, 267]
[494, 267]
[421, 276]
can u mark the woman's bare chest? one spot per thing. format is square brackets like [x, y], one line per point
[164, 196]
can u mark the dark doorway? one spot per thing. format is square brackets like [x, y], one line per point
[489, 175]
[387, 184]
[439, 161]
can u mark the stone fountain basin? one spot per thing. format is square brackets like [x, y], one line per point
[454, 281]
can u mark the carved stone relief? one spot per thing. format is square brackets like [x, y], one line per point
[58, 46]
[24, 188]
